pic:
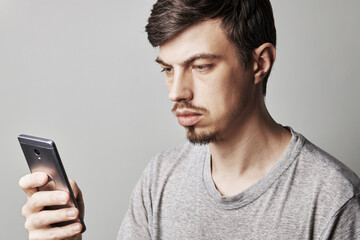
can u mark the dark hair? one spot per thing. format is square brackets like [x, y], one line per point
[247, 23]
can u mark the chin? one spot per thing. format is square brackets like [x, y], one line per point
[201, 137]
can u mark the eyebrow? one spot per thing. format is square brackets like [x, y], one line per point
[205, 56]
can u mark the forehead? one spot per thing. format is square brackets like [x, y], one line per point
[206, 37]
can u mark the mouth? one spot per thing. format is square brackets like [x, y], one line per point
[188, 118]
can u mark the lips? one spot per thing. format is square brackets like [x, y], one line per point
[188, 118]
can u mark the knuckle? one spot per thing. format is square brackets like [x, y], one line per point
[39, 219]
[24, 210]
[53, 235]
[27, 225]
[33, 202]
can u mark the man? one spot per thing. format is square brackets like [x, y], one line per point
[241, 175]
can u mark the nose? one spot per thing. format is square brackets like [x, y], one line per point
[180, 87]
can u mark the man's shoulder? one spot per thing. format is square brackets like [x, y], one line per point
[327, 172]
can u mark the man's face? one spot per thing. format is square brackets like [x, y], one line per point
[210, 87]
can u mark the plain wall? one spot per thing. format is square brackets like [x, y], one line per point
[82, 73]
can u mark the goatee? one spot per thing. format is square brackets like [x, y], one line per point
[201, 138]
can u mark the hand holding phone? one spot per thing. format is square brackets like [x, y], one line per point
[54, 205]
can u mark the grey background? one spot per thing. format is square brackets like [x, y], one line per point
[82, 73]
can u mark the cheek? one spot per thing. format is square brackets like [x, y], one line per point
[233, 94]
[220, 105]
[229, 97]
[238, 87]
[221, 91]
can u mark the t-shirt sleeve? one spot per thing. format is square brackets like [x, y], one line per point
[135, 224]
[345, 224]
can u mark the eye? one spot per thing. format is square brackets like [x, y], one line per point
[167, 70]
[202, 68]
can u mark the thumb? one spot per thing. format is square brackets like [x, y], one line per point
[78, 196]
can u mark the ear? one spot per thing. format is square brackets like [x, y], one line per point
[263, 57]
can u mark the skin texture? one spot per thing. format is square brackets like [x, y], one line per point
[38, 220]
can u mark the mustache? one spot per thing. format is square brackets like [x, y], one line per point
[187, 105]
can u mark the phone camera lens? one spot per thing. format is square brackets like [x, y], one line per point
[37, 152]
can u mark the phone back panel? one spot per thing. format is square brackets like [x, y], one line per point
[42, 156]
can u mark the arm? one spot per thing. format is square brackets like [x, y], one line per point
[38, 221]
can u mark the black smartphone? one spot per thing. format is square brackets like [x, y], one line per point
[42, 156]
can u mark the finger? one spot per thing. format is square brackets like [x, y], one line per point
[74, 187]
[56, 232]
[30, 182]
[45, 218]
[41, 199]
[78, 196]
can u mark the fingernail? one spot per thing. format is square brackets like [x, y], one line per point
[76, 228]
[71, 213]
[62, 198]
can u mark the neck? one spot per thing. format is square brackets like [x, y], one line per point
[249, 152]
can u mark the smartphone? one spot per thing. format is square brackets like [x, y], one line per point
[42, 156]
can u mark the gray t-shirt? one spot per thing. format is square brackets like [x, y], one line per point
[308, 194]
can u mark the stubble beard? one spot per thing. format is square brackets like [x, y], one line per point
[197, 136]
[201, 138]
